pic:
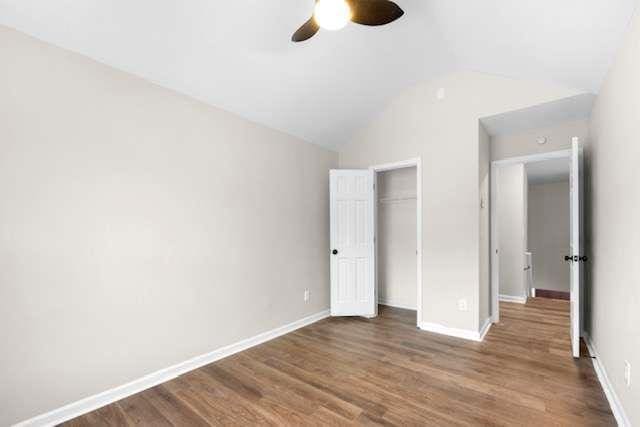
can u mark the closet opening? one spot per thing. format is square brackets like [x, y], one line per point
[398, 239]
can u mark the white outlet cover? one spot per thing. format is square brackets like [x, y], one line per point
[462, 305]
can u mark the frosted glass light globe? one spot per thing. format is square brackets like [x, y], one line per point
[332, 14]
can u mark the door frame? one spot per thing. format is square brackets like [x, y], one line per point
[417, 163]
[493, 248]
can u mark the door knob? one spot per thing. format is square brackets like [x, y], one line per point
[335, 252]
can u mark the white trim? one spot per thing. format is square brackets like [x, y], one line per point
[510, 298]
[417, 163]
[532, 158]
[494, 245]
[80, 407]
[396, 305]
[409, 163]
[607, 387]
[455, 332]
[485, 328]
[495, 256]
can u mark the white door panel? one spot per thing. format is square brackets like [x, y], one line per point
[576, 245]
[352, 246]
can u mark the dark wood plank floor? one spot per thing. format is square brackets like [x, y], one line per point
[383, 371]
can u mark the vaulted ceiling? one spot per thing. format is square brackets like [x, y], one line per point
[237, 54]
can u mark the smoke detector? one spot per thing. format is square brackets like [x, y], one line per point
[542, 140]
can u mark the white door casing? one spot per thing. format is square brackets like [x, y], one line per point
[576, 244]
[410, 163]
[352, 243]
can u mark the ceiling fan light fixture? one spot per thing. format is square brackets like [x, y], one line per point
[332, 14]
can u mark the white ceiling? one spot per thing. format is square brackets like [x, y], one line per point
[540, 116]
[236, 54]
[548, 171]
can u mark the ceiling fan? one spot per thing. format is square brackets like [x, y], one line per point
[335, 14]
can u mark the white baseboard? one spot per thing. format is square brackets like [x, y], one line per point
[458, 333]
[509, 298]
[396, 305]
[612, 397]
[485, 328]
[99, 400]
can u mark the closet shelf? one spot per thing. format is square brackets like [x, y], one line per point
[395, 199]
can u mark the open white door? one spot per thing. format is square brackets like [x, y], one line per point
[352, 245]
[576, 255]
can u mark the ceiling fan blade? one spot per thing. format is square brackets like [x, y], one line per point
[374, 12]
[306, 31]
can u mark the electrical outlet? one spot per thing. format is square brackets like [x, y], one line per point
[462, 305]
[627, 373]
[307, 295]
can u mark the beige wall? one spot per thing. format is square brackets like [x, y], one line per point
[525, 143]
[549, 234]
[512, 226]
[140, 228]
[484, 183]
[397, 261]
[615, 241]
[444, 133]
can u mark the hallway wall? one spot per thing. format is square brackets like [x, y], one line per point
[512, 229]
[525, 143]
[548, 236]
